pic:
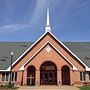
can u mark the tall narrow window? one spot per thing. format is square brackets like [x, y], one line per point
[82, 76]
[15, 76]
[7, 76]
[3, 76]
[89, 76]
[12, 76]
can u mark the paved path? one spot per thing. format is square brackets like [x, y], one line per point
[48, 88]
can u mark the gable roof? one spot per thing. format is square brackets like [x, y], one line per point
[7, 47]
[48, 43]
[81, 49]
[29, 46]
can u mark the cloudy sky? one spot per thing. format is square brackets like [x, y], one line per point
[24, 20]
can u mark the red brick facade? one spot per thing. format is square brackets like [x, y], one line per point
[48, 49]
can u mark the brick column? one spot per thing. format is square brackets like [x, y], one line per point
[25, 77]
[71, 77]
[37, 80]
[19, 74]
[59, 80]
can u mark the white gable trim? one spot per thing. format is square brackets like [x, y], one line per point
[4, 70]
[28, 50]
[86, 67]
[74, 68]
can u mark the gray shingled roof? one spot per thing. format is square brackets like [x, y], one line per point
[81, 49]
[7, 47]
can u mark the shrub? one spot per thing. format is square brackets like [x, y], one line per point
[7, 85]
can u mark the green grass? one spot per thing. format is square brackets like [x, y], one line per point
[85, 88]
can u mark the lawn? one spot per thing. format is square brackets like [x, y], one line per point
[85, 88]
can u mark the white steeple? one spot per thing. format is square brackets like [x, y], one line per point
[48, 26]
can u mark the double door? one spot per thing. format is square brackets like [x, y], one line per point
[48, 78]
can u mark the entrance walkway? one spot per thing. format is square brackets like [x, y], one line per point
[48, 88]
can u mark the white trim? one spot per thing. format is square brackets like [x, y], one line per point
[48, 26]
[27, 50]
[14, 76]
[74, 68]
[22, 68]
[4, 70]
[86, 67]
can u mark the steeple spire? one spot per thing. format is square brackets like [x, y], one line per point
[48, 27]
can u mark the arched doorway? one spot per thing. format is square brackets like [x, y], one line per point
[31, 75]
[65, 75]
[48, 73]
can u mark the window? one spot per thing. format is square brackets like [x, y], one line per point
[89, 76]
[3, 76]
[6, 76]
[14, 76]
[82, 76]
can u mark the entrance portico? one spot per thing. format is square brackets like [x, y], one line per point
[65, 71]
[48, 73]
[46, 68]
[31, 75]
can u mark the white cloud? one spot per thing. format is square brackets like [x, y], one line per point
[40, 7]
[13, 27]
[66, 7]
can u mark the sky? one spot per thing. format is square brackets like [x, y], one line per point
[25, 20]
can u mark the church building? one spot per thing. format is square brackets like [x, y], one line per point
[47, 61]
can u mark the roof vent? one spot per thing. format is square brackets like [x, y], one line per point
[23, 45]
[87, 58]
[3, 59]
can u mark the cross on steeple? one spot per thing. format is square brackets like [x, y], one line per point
[48, 26]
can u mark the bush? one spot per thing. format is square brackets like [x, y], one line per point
[7, 85]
